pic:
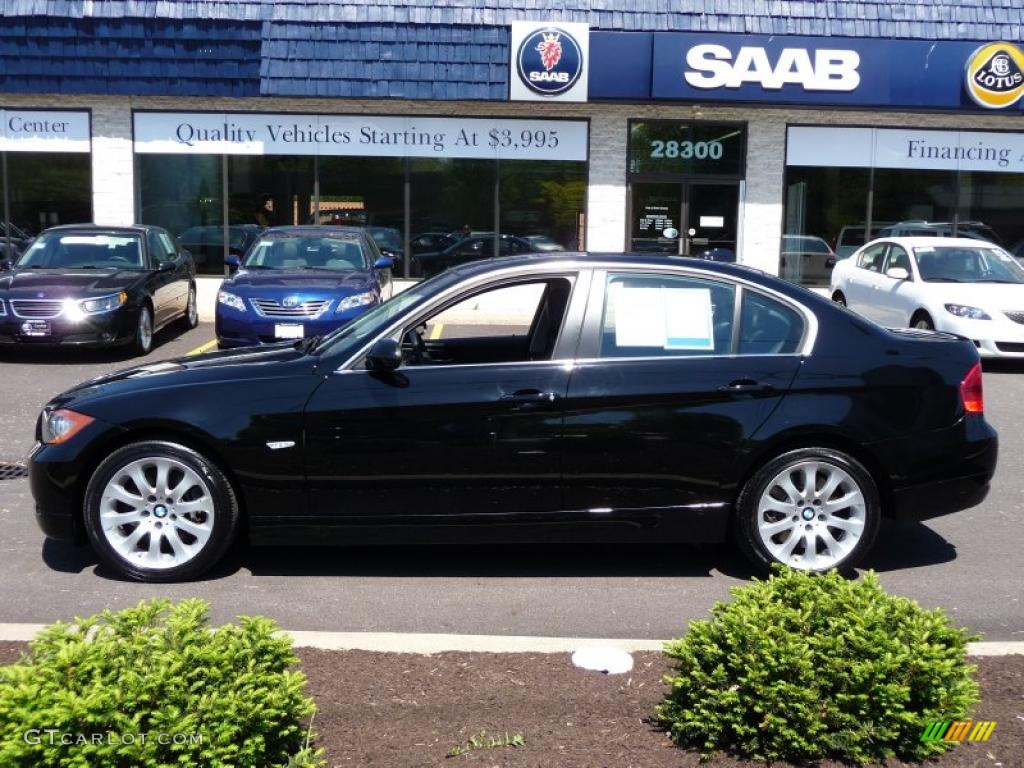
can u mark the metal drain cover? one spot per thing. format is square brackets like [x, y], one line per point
[12, 471]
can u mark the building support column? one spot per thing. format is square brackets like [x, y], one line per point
[113, 168]
[606, 192]
[761, 222]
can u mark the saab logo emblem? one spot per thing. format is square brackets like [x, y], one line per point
[549, 61]
[823, 69]
[995, 75]
[290, 302]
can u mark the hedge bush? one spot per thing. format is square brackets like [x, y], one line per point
[131, 679]
[807, 666]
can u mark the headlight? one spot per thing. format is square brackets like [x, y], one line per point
[356, 300]
[61, 425]
[971, 313]
[104, 303]
[230, 300]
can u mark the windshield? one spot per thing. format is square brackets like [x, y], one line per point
[68, 250]
[960, 264]
[294, 252]
[346, 339]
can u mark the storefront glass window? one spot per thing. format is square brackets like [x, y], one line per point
[686, 148]
[903, 196]
[990, 205]
[270, 190]
[447, 195]
[47, 189]
[544, 201]
[184, 194]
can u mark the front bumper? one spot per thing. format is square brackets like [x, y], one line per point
[238, 329]
[998, 337]
[101, 330]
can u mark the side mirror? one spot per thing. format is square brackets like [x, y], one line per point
[165, 266]
[233, 261]
[384, 262]
[384, 356]
[897, 273]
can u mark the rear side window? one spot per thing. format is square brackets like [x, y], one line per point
[768, 327]
[666, 315]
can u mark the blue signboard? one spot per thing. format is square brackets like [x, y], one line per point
[824, 71]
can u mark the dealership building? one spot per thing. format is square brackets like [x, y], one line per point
[698, 127]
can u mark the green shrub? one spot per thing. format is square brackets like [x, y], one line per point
[805, 666]
[125, 682]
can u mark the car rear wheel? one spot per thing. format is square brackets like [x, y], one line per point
[839, 298]
[812, 509]
[159, 511]
[143, 342]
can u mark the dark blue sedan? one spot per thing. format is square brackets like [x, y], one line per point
[298, 282]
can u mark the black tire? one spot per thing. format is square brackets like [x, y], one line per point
[839, 298]
[224, 520]
[922, 321]
[142, 343]
[191, 317]
[746, 524]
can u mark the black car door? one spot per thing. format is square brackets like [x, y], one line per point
[163, 280]
[465, 430]
[676, 374]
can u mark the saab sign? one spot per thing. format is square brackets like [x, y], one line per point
[822, 69]
[549, 61]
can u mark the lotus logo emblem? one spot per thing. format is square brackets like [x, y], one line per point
[291, 302]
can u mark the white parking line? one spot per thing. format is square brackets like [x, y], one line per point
[426, 644]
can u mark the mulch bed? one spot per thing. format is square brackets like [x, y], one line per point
[398, 710]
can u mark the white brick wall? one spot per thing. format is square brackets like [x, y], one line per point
[761, 225]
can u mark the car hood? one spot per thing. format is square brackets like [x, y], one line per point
[235, 364]
[66, 283]
[256, 281]
[997, 296]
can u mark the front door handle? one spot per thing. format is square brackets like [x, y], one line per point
[747, 386]
[523, 396]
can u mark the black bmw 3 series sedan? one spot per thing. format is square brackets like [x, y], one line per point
[89, 285]
[609, 398]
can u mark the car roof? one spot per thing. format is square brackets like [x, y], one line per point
[132, 228]
[932, 242]
[322, 230]
[584, 259]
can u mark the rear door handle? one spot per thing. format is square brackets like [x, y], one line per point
[746, 385]
[529, 396]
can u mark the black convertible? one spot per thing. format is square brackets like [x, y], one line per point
[607, 399]
[89, 285]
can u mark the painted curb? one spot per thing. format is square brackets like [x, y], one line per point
[427, 644]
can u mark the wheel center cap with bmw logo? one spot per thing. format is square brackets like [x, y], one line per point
[159, 511]
[549, 61]
[808, 513]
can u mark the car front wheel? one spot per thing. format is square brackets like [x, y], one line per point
[159, 511]
[812, 509]
[142, 344]
[191, 316]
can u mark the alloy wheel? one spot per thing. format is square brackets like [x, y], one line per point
[156, 512]
[144, 339]
[811, 515]
[193, 310]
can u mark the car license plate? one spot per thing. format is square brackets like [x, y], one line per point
[35, 328]
[289, 330]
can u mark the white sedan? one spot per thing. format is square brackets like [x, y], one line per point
[963, 286]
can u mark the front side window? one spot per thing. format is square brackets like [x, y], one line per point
[666, 315]
[898, 258]
[508, 323]
[69, 250]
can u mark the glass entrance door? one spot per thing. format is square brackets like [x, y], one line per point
[685, 219]
[710, 214]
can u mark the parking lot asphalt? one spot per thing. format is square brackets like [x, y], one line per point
[971, 563]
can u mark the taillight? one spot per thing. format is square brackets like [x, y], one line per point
[971, 392]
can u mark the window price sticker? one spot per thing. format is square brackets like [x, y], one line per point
[668, 318]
